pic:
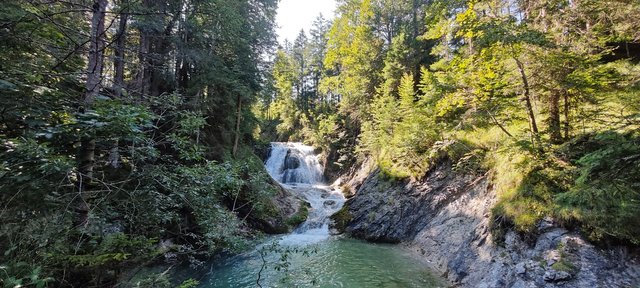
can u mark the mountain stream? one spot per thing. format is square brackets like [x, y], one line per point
[310, 256]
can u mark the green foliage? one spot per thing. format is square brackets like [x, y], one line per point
[591, 183]
[194, 75]
[22, 274]
[505, 87]
[299, 217]
[144, 199]
[565, 266]
[146, 155]
[341, 218]
[397, 135]
[354, 52]
[604, 197]
[110, 251]
[189, 283]
[189, 126]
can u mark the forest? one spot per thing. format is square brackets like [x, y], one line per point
[542, 95]
[134, 132]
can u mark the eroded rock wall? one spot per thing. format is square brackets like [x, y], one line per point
[445, 218]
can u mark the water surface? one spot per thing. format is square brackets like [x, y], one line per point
[336, 262]
[310, 256]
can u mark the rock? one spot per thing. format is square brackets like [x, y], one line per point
[556, 276]
[552, 257]
[549, 276]
[562, 276]
[545, 224]
[291, 161]
[329, 203]
[444, 218]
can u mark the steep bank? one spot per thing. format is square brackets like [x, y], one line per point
[445, 217]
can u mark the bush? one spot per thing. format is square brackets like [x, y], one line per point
[592, 182]
[605, 196]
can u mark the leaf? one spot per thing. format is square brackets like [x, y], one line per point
[6, 85]
[13, 282]
[10, 250]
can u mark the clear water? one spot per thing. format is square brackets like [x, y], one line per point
[310, 256]
[332, 263]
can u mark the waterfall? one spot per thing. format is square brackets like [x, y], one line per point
[294, 163]
[297, 169]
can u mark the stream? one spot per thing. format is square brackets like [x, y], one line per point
[310, 256]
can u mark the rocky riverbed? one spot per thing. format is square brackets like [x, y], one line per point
[445, 217]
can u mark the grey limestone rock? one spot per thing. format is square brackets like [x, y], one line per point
[445, 218]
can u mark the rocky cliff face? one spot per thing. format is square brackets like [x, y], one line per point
[445, 219]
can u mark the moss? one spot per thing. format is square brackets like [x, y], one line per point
[299, 217]
[189, 283]
[341, 219]
[347, 191]
[542, 263]
[564, 266]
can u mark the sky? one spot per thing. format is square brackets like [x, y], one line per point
[294, 15]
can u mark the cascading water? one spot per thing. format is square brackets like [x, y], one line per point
[293, 163]
[337, 262]
[296, 168]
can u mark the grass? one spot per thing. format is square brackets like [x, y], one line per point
[591, 183]
[585, 183]
[564, 266]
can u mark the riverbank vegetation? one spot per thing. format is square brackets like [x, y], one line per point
[541, 94]
[126, 135]
[127, 127]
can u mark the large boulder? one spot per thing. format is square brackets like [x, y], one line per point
[291, 161]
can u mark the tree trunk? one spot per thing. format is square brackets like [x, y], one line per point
[118, 78]
[495, 121]
[554, 117]
[160, 51]
[118, 62]
[87, 144]
[527, 99]
[143, 71]
[238, 118]
[566, 115]
[96, 53]
[85, 175]
[143, 77]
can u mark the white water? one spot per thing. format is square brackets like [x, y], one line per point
[296, 168]
[338, 262]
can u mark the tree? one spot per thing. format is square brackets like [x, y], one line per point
[119, 126]
[352, 57]
[300, 53]
[318, 50]
[94, 78]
